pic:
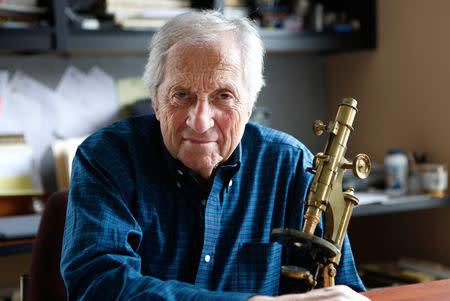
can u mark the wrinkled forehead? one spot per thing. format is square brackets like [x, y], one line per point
[214, 54]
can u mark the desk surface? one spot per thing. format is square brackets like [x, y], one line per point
[401, 206]
[434, 290]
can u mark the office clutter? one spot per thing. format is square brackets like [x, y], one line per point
[304, 15]
[402, 177]
[22, 14]
[80, 104]
[410, 174]
[88, 15]
[21, 188]
[144, 14]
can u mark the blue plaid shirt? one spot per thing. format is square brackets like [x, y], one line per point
[140, 226]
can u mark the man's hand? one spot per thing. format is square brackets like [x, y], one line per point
[334, 293]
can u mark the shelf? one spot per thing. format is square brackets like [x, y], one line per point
[274, 41]
[291, 41]
[395, 207]
[63, 38]
[26, 39]
[108, 40]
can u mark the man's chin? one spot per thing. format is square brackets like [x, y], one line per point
[199, 164]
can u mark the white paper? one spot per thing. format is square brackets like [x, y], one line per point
[75, 106]
[106, 98]
[10, 124]
[33, 89]
[31, 116]
[3, 86]
[31, 105]
[88, 102]
[15, 161]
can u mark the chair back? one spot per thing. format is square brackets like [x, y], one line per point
[45, 281]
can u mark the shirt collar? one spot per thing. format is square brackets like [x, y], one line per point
[227, 169]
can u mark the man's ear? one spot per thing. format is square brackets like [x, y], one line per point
[155, 108]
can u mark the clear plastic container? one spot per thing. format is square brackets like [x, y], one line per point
[396, 171]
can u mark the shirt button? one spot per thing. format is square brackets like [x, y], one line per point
[207, 258]
[179, 172]
[178, 185]
[204, 202]
[231, 183]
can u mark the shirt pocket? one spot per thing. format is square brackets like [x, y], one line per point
[259, 268]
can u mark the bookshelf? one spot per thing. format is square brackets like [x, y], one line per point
[26, 39]
[25, 28]
[60, 37]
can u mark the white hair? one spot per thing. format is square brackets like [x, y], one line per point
[199, 27]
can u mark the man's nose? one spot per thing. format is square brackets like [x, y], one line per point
[200, 117]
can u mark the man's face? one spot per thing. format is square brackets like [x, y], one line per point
[203, 104]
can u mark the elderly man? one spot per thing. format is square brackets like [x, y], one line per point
[181, 205]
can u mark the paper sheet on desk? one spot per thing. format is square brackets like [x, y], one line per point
[8, 124]
[88, 101]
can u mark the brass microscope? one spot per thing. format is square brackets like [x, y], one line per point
[326, 196]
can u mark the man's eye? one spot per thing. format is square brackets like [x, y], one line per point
[225, 96]
[181, 95]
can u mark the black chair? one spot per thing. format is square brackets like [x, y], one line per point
[44, 281]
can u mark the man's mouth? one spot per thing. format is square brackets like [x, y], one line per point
[198, 140]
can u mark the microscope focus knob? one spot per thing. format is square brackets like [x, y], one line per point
[319, 127]
[361, 166]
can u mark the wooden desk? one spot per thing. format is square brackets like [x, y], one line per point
[434, 290]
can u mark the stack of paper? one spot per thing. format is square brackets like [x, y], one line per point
[63, 152]
[18, 173]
